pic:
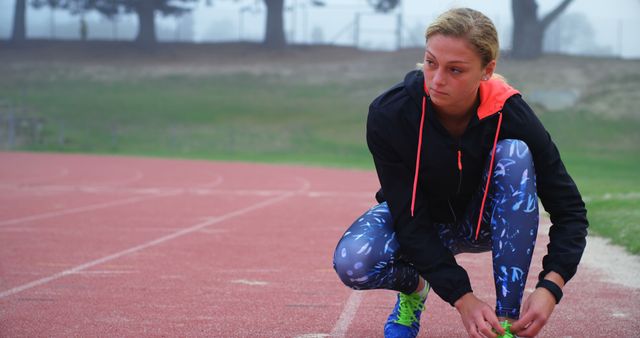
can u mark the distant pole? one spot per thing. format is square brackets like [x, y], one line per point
[305, 23]
[52, 23]
[356, 30]
[294, 14]
[240, 23]
[400, 22]
[399, 31]
[83, 27]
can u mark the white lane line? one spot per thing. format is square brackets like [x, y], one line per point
[107, 272]
[141, 247]
[249, 282]
[82, 209]
[202, 190]
[347, 315]
[168, 192]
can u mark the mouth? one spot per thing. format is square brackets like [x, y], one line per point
[432, 90]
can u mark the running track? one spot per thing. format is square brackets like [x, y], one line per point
[116, 246]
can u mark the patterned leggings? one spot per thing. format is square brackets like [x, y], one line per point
[366, 256]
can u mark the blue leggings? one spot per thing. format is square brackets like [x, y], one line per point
[366, 256]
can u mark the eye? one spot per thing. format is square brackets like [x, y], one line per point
[429, 62]
[455, 70]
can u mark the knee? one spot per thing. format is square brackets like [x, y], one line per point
[514, 149]
[365, 248]
[352, 267]
[513, 161]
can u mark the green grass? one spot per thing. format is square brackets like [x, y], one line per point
[603, 157]
[271, 118]
[242, 117]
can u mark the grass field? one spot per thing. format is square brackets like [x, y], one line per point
[308, 114]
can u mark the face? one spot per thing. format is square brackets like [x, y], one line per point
[453, 71]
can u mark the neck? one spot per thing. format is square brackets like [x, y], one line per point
[459, 114]
[455, 120]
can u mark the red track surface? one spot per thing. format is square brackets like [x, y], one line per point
[112, 246]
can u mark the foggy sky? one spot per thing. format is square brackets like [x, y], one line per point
[614, 27]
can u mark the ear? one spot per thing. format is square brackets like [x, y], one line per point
[487, 72]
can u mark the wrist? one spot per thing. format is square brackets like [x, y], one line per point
[552, 287]
[458, 303]
[556, 278]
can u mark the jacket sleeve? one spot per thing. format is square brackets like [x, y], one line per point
[560, 197]
[418, 237]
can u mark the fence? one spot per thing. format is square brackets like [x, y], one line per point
[349, 23]
[18, 128]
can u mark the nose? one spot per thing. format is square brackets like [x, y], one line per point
[438, 77]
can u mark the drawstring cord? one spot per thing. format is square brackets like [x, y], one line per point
[486, 188]
[415, 177]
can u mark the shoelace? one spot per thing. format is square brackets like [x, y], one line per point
[507, 328]
[408, 305]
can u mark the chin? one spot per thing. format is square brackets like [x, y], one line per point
[438, 101]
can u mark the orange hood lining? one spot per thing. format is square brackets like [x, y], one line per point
[493, 94]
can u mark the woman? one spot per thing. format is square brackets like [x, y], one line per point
[462, 159]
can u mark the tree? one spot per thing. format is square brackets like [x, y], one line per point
[274, 36]
[528, 29]
[144, 9]
[274, 33]
[19, 33]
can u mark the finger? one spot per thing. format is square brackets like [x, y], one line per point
[493, 321]
[532, 330]
[525, 305]
[521, 323]
[486, 330]
[496, 326]
[476, 332]
[472, 330]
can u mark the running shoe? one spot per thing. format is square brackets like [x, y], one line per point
[404, 321]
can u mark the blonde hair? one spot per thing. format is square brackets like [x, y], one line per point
[472, 26]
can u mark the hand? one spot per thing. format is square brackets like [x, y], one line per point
[478, 317]
[536, 310]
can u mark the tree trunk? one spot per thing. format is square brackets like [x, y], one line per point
[146, 23]
[19, 33]
[274, 35]
[528, 30]
[527, 37]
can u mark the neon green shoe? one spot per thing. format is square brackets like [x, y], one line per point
[404, 321]
[507, 328]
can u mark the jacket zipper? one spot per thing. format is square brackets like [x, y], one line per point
[455, 219]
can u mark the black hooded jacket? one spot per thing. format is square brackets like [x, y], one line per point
[450, 172]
